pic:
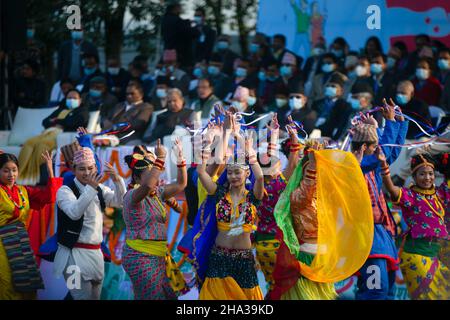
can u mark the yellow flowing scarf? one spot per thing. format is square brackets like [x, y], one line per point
[345, 218]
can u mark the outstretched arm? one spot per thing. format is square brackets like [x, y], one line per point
[177, 187]
[295, 147]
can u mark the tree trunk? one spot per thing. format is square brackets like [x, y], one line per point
[114, 33]
[240, 8]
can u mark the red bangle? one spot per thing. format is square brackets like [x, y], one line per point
[182, 164]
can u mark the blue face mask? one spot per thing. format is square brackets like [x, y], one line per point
[272, 78]
[72, 103]
[254, 47]
[241, 72]
[198, 72]
[30, 33]
[77, 35]
[327, 67]
[213, 70]
[376, 68]
[238, 106]
[251, 101]
[286, 71]
[89, 71]
[330, 92]
[401, 99]
[337, 53]
[262, 76]
[443, 64]
[222, 45]
[391, 62]
[95, 93]
[356, 105]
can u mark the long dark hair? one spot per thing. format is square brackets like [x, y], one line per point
[8, 157]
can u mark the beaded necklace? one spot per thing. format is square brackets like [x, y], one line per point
[22, 198]
[432, 192]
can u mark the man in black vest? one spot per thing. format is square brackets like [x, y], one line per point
[80, 225]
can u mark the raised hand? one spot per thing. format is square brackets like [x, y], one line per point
[368, 119]
[160, 150]
[274, 125]
[82, 131]
[359, 154]
[94, 179]
[380, 155]
[49, 162]
[388, 111]
[109, 169]
[178, 150]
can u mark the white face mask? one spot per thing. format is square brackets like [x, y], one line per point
[295, 103]
[238, 106]
[280, 102]
[251, 101]
[360, 71]
[422, 74]
[113, 71]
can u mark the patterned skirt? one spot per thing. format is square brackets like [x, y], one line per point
[148, 275]
[426, 277]
[231, 275]
[266, 253]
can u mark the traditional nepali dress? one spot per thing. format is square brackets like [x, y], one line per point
[424, 211]
[145, 253]
[266, 243]
[444, 255]
[19, 273]
[291, 285]
[231, 273]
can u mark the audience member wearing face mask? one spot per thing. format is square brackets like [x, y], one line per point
[268, 80]
[226, 55]
[385, 81]
[426, 86]
[222, 83]
[117, 78]
[159, 95]
[333, 91]
[98, 98]
[328, 68]
[444, 77]
[299, 110]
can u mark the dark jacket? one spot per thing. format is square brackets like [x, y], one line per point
[337, 122]
[78, 117]
[117, 84]
[418, 110]
[65, 56]
[166, 123]
[138, 116]
[385, 87]
[105, 104]
[29, 93]
[205, 38]
[228, 57]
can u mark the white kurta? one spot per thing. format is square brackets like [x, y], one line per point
[90, 262]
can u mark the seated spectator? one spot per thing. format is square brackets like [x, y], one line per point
[402, 54]
[290, 77]
[259, 51]
[203, 106]
[329, 66]
[59, 91]
[373, 46]
[267, 83]
[243, 75]
[299, 111]
[159, 96]
[385, 81]
[339, 120]
[279, 50]
[239, 103]
[339, 48]
[312, 66]
[134, 111]
[98, 97]
[226, 55]
[334, 91]
[280, 103]
[178, 77]
[138, 74]
[199, 72]
[363, 74]
[91, 70]
[351, 61]
[176, 115]
[426, 86]
[29, 89]
[412, 106]
[444, 78]
[70, 115]
[117, 78]
[222, 83]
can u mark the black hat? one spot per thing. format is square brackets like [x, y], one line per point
[164, 80]
[337, 78]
